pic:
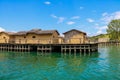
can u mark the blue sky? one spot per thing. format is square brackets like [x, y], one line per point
[90, 16]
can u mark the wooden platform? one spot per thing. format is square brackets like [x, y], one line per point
[108, 43]
[82, 48]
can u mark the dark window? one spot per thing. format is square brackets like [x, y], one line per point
[24, 36]
[4, 37]
[33, 37]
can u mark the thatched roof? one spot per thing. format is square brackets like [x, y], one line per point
[33, 31]
[47, 32]
[74, 30]
[20, 33]
[8, 33]
[36, 31]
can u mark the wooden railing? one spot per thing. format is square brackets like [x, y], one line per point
[33, 41]
[44, 41]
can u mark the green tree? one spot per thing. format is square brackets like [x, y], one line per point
[114, 29]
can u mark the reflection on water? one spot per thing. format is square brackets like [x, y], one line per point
[104, 65]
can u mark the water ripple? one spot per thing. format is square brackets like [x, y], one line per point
[104, 65]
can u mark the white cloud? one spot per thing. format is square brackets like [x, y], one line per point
[90, 20]
[88, 33]
[75, 17]
[70, 22]
[47, 3]
[104, 14]
[101, 29]
[108, 17]
[99, 32]
[60, 19]
[1, 29]
[81, 7]
[53, 16]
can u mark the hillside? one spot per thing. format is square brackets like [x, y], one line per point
[94, 38]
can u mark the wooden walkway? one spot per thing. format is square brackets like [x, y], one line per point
[71, 48]
[108, 43]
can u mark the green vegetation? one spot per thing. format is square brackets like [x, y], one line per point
[114, 30]
[95, 38]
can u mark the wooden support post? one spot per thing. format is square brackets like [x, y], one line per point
[65, 49]
[0, 47]
[89, 53]
[28, 48]
[37, 48]
[74, 49]
[89, 50]
[61, 49]
[42, 48]
[84, 49]
[69, 49]
[80, 49]
[17, 47]
[21, 47]
[45, 48]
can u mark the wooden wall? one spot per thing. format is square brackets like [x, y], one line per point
[75, 37]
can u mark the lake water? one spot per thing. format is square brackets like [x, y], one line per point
[104, 65]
